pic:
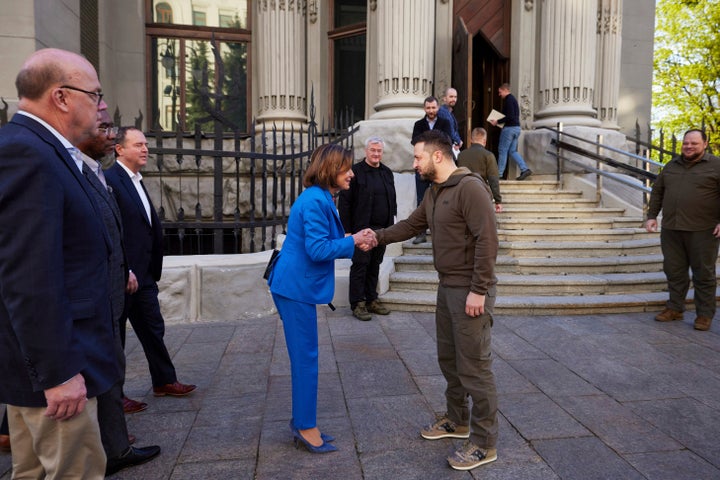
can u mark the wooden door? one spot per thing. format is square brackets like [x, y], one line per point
[462, 78]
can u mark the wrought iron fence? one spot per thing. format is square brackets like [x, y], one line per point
[660, 149]
[232, 193]
[224, 190]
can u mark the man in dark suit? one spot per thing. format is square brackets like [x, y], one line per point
[430, 121]
[55, 319]
[111, 416]
[142, 237]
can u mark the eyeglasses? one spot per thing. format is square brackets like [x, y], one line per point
[109, 130]
[99, 95]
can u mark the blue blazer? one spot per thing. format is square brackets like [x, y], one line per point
[55, 318]
[143, 241]
[305, 268]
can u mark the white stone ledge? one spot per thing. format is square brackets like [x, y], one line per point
[225, 288]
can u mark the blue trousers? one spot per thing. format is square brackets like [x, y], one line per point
[301, 336]
[507, 145]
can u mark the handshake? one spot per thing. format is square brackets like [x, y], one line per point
[365, 239]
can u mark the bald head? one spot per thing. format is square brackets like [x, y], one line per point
[46, 68]
[450, 97]
[63, 89]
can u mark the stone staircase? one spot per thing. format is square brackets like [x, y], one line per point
[559, 254]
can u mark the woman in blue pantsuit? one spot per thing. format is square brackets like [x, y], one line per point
[304, 276]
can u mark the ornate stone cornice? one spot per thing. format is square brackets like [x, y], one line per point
[312, 10]
[288, 5]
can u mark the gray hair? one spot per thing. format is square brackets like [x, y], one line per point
[374, 139]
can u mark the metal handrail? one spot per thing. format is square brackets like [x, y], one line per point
[643, 174]
[633, 156]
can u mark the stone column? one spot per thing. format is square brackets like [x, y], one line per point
[280, 45]
[607, 65]
[567, 63]
[405, 34]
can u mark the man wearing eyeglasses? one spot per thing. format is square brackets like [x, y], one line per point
[111, 416]
[55, 318]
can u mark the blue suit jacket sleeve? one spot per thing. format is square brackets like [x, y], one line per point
[305, 270]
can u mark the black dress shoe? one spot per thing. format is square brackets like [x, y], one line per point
[132, 456]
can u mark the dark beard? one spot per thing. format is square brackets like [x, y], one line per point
[429, 175]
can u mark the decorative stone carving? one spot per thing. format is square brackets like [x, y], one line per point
[405, 56]
[528, 5]
[566, 81]
[608, 59]
[282, 85]
[312, 10]
[526, 105]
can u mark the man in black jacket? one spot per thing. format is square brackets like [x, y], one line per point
[369, 203]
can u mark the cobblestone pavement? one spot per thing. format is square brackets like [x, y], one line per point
[581, 397]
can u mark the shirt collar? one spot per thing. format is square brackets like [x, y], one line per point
[65, 142]
[135, 177]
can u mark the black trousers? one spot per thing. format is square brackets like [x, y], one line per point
[698, 253]
[364, 275]
[142, 308]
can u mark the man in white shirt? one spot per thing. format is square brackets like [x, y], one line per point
[143, 240]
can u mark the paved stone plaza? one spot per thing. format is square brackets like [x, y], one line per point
[581, 397]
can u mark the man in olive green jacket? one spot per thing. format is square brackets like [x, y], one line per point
[458, 209]
[688, 192]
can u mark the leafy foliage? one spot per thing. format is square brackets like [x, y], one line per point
[687, 67]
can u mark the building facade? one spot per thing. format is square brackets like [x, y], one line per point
[582, 62]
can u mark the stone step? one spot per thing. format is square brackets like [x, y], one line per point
[607, 234]
[558, 265]
[541, 249]
[515, 211]
[545, 195]
[424, 301]
[545, 285]
[583, 223]
[549, 204]
[514, 185]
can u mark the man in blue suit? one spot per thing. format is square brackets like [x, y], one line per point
[56, 330]
[142, 237]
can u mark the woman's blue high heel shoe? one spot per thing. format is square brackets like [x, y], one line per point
[299, 439]
[325, 438]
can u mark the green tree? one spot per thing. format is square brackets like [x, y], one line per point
[687, 67]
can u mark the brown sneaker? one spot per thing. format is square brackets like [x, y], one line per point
[377, 307]
[703, 323]
[668, 315]
[470, 456]
[444, 428]
[361, 313]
